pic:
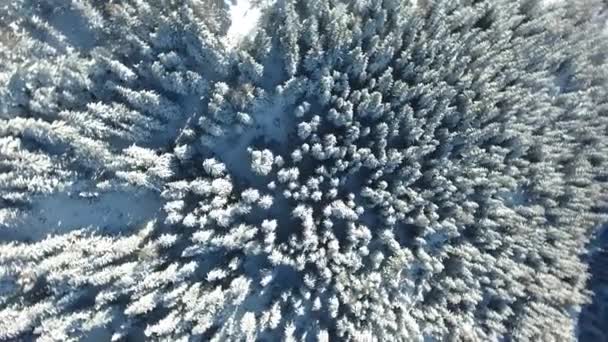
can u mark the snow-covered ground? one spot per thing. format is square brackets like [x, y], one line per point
[271, 127]
[550, 2]
[244, 16]
[113, 212]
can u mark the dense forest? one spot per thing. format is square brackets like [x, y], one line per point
[303, 170]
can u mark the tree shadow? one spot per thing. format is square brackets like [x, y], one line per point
[594, 316]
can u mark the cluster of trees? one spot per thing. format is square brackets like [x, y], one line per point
[444, 170]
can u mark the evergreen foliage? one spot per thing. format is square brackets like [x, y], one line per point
[353, 170]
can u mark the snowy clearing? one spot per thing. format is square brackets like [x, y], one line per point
[112, 212]
[244, 18]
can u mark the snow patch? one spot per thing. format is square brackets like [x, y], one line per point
[244, 17]
[548, 3]
[114, 212]
[72, 24]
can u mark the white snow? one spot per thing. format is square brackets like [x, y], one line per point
[548, 3]
[244, 18]
[73, 25]
[112, 212]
